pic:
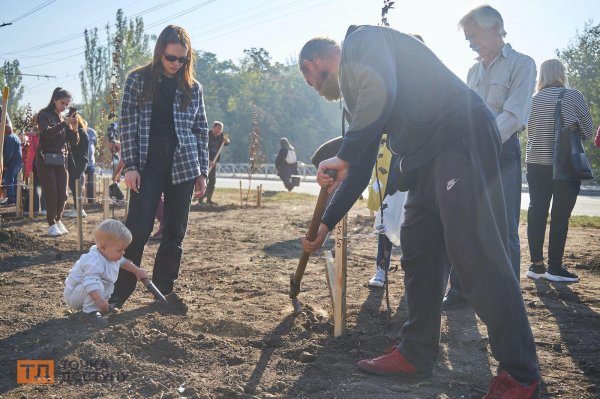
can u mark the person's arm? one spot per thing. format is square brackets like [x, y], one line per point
[516, 108]
[371, 70]
[129, 266]
[49, 128]
[129, 121]
[200, 129]
[584, 117]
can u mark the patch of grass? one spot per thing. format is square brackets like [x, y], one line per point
[575, 221]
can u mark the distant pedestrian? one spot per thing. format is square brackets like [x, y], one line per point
[541, 160]
[286, 163]
[55, 132]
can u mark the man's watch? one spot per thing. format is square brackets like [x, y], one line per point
[204, 174]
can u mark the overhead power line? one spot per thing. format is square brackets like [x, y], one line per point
[39, 7]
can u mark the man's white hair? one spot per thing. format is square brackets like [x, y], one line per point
[486, 17]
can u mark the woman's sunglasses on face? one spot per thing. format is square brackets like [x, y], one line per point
[173, 58]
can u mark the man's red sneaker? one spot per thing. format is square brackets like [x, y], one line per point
[504, 386]
[391, 363]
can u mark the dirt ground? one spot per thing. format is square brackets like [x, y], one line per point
[240, 340]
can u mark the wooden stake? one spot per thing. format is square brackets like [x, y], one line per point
[339, 310]
[241, 195]
[32, 192]
[260, 191]
[79, 205]
[3, 126]
[106, 197]
[19, 199]
[126, 202]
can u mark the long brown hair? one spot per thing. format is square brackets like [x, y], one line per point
[172, 34]
[58, 94]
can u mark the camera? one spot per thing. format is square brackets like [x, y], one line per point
[72, 111]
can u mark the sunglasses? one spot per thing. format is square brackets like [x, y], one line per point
[173, 58]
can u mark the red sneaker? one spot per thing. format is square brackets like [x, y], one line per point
[504, 386]
[391, 363]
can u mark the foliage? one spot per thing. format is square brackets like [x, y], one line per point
[105, 71]
[10, 75]
[93, 76]
[582, 59]
[287, 106]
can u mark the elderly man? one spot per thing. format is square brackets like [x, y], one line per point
[449, 149]
[504, 79]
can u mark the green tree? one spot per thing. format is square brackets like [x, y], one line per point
[582, 59]
[10, 75]
[93, 76]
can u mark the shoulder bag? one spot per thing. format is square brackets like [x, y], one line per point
[53, 159]
[570, 161]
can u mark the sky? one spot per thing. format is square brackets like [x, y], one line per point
[50, 41]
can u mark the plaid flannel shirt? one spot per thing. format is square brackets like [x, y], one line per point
[191, 155]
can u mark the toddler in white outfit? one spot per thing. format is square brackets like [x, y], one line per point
[92, 280]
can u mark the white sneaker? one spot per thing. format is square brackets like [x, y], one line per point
[54, 231]
[378, 279]
[43, 213]
[61, 227]
[71, 213]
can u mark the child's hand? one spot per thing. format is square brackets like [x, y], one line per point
[102, 305]
[140, 274]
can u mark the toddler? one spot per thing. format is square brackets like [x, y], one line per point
[91, 281]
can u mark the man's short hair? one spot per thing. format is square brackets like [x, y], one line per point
[486, 17]
[217, 123]
[316, 48]
[112, 230]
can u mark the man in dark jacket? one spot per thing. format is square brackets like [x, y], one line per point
[448, 146]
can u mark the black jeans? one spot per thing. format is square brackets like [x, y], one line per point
[156, 179]
[563, 194]
[90, 184]
[455, 214]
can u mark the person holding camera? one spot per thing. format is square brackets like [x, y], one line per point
[55, 132]
[164, 138]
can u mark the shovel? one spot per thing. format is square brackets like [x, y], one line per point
[311, 235]
[155, 291]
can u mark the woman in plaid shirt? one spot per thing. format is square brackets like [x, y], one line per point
[164, 138]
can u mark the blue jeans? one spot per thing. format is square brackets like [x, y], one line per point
[510, 174]
[10, 180]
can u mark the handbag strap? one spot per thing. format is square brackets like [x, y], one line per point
[557, 114]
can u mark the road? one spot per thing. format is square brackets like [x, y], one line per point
[588, 203]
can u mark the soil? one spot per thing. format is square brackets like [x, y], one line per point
[240, 339]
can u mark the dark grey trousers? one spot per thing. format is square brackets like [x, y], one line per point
[455, 214]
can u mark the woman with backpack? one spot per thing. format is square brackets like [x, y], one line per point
[286, 163]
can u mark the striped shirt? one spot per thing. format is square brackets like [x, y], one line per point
[540, 141]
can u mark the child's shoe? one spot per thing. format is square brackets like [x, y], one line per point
[94, 318]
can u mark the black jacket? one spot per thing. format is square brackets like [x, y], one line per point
[392, 83]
